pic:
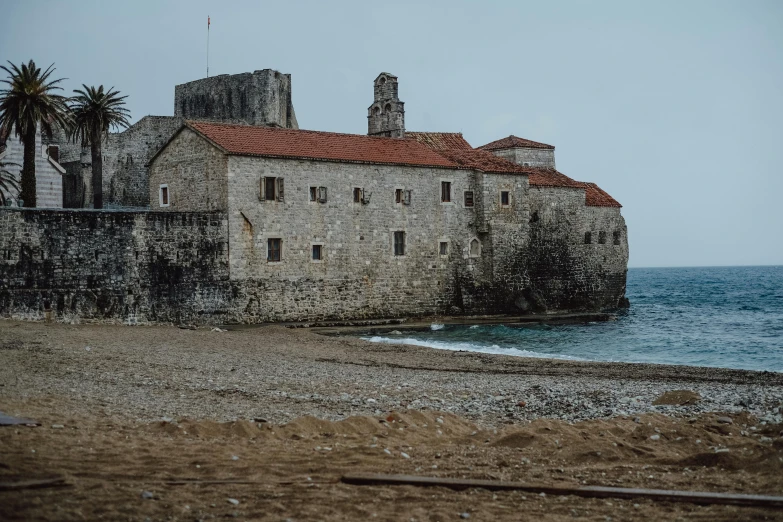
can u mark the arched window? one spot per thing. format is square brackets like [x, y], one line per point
[376, 111]
[382, 80]
[387, 109]
[475, 248]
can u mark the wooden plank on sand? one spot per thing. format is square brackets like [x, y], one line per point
[695, 497]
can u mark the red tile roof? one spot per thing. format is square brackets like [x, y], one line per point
[249, 140]
[512, 142]
[440, 140]
[596, 197]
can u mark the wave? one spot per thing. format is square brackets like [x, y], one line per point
[470, 347]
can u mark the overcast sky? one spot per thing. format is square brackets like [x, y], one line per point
[674, 107]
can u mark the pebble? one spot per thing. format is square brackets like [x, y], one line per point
[725, 420]
[465, 515]
[234, 457]
[233, 501]
[404, 455]
[147, 495]
[57, 426]
[655, 437]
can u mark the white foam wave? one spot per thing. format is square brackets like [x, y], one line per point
[436, 326]
[470, 347]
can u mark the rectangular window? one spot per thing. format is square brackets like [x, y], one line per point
[406, 197]
[602, 237]
[445, 191]
[357, 195]
[313, 193]
[399, 243]
[270, 189]
[273, 247]
[468, 198]
[588, 238]
[316, 252]
[616, 237]
[504, 198]
[164, 196]
[322, 194]
[398, 196]
[443, 248]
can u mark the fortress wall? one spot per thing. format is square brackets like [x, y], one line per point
[565, 273]
[113, 266]
[257, 98]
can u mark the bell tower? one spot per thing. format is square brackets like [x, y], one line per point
[386, 115]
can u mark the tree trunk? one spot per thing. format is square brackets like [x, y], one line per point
[28, 170]
[97, 170]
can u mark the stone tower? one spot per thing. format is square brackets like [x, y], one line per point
[258, 98]
[386, 115]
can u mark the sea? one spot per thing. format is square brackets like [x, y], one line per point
[726, 317]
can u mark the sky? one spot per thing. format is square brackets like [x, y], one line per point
[675, 108]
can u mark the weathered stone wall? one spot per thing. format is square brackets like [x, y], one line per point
[565, 273]
[195, 173]
[528, 157]
[114, 266]
[257, 98]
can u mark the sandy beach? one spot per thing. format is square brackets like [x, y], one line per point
[134, 417]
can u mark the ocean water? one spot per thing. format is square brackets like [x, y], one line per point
[729, 317]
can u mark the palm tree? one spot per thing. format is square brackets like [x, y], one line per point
[94, 113]
[8, 184]
[29, 101]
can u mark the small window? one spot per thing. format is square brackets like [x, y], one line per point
[399, 243]
[505, 198]
[387, 109]
[588, 238]
[443, 248]
[534, 216]
[376, 111]
[445, 191]
[602, 238]
[313, 193]
[53, 151]
[273, 247]
[322, 194]
[406, 197]
[398, 196]
[468, 198]
[616, 237]
[270, 189]
[357, 195]
[475, 248]
[317, 252]
[164, 195]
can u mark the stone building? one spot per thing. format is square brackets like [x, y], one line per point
[48, 171]
[258, 98]
[253, 223]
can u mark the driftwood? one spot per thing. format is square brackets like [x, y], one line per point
[54, 482]
[695, 497]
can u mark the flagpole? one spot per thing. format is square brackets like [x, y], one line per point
[208, 46]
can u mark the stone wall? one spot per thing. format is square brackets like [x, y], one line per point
[528, 156]
[114, 266]
[565, 272]
[257, 98]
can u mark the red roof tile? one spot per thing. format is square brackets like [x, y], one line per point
[440, 140]
[596, 197]
[512, 142]
[249, 140]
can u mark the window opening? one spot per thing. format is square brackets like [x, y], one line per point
[475, 248]
[602, 237]
[444, 248]
[270, 189]
[398, 196]
[445, 191]
[504, 198]
[357, 195]
[313, 193]
[164, 195]
[399, 243]
[322, 194]
[273, 249]
[588, 238]
[616, 237]
[316, 252]
[468, 198]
